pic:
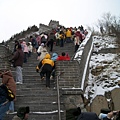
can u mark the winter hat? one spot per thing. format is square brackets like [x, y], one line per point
[22, 111]
[47, 56]
[54, 56]
[30, 43]
[42, 44]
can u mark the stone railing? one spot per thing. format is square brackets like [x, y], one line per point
[5, 55]
[83, 55]
[72, 82]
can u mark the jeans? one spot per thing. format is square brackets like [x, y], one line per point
[61, 43]
[19, 77]
[68, 39]
[11, 107]
[57, 42]
[4, 109]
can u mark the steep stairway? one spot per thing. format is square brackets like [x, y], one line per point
[43, 102]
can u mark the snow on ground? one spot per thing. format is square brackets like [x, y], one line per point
[108, 78]
[105, 42]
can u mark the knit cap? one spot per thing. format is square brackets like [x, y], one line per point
[42, 44]
[22, 111]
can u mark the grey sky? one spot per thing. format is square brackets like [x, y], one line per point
[18, 15]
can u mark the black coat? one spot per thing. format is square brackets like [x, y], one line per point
[51, 37]
[88, 116]
[18, 58]
[105, 118]
[3, 94]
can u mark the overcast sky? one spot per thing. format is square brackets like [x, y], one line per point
[18, 15]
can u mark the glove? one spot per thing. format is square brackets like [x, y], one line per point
[37, 69]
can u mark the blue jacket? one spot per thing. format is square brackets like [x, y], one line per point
[54, 56]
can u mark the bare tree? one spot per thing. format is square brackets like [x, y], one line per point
[110, 23]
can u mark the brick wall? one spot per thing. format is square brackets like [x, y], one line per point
[70, 78]
[69, 83]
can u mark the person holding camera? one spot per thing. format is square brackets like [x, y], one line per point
[112, 114]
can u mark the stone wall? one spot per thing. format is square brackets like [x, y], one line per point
[71, 94]
[115, 97]
[4, 57]
[70, 80]
[54, 24]
[98, 103]
[84, 67]
[44, 28]
[109, 101]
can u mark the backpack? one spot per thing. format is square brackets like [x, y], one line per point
[9, 94]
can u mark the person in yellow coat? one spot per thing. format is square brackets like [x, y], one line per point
[68, 35]
[46, 66]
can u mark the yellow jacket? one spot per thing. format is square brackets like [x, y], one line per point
[68, 33]
[62, 36]
[47, 60]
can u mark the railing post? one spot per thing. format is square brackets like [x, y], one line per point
[58, 93]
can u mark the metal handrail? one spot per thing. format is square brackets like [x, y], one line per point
[58, 94]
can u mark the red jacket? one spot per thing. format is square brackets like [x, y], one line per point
[79, 35]
[60, 58]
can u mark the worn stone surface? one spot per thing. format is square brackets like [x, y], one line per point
[105, 73]
[115, 95]
[98, 103]
[72, 101]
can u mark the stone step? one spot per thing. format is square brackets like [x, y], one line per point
[39, 107]
[36, 92]
[34, 80]
[29, 85]
[33, 91]
[36, 99]
[51, 115]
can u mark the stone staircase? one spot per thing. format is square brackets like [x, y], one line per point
[43, 103]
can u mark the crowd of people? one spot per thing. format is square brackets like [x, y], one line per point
[42, 45]
[105, 114]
